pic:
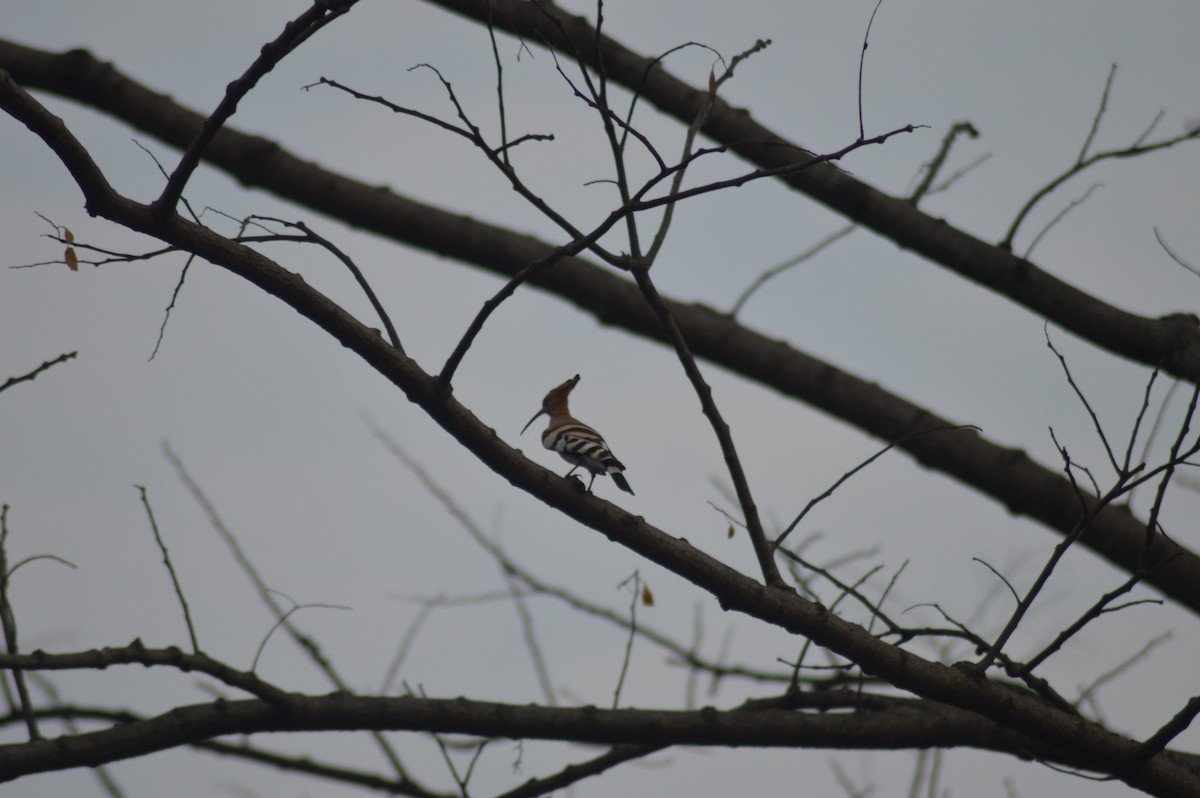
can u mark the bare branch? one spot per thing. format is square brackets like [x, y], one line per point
[754, 527]
[756, 724]
[636, 591]
[939, 160]
[294, 34]
[11, 381]
[1173, 256]
[689, 143]
[1058, 217]
[1159, 741]
[137, 654]
[349, 263]
[829, 492]
[8, 622]
[162, 547]
[1001, 577]
[1120, 668]
[862, 57]
[162, 328]
[1083, 163]
[1112, 458]
[1087, 143]
[307, 644]
[775, 271]
[572, 774]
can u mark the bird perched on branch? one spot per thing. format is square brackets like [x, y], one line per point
[576, 442]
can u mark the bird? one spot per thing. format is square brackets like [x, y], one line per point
[576, 442]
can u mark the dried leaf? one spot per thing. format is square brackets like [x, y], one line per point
[647, 596]
[712, 85]
[72, 261]
[729, 534]
[68, 235]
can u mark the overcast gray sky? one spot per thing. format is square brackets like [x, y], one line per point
[267, 413]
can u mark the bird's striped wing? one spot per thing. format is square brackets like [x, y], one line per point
[580, 445]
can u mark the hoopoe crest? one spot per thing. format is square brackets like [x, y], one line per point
[576, 442]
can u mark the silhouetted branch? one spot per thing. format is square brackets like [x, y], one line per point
[11, 381]
[187, 615]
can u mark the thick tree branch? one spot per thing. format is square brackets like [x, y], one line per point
[1007, 475]
[897, 725]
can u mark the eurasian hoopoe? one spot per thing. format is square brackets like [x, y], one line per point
[576, 442]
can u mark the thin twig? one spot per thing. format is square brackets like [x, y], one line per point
[406, 644]
[1156, 426]
[939, 160]
[775, 271]
[1101, 607]
[508, 566]
[461, 781]
[294, 34]
[1058, 217]
[862, 57]
[689, 690]
[529, 633]
[637, 594]
[491, 29]
[762, 547]
[1173, 256]
[167, 176]
[844, 477]
[1112, 458]
[918, 777]
[1001, 577]
[162, 547]
[1023, 607]
[11, 381]
[162, 328]
[1168, 471]
[8, 621]
[1083, 163]
[102, 772]
[508, 569]
[571, 774]
[283, 620]
[307, 644]
[349, 263]
[848, 590]
[693, 130]
[599, 101]
[1137, 423]
[1120, 668]
[1090, 506]
[958, 174]
[1087, 143]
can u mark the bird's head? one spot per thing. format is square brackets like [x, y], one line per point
[555, 401]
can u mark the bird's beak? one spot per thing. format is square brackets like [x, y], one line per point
[535, 418]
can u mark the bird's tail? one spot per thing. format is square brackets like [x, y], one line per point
[619, 479]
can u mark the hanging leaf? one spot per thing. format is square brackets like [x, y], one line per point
[729, 534]
[68, 235]
[72, 261]
[647, 596]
